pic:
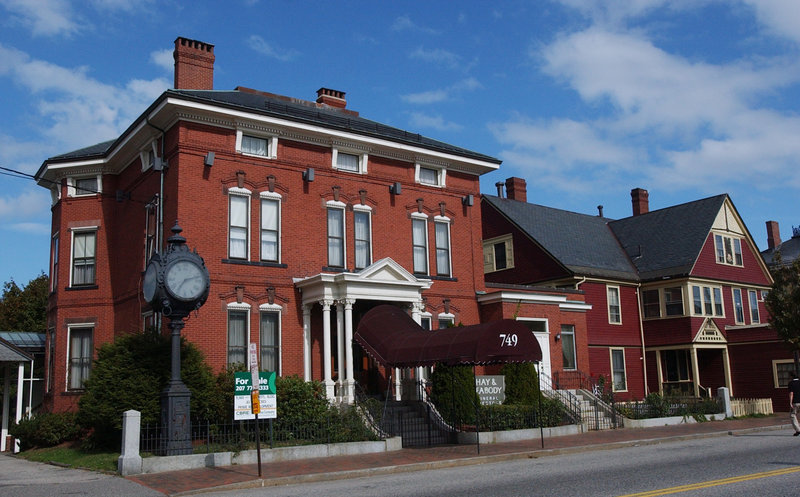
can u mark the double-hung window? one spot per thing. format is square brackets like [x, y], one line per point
[84, 247]
[738, 305]
[445, 320]
[363, 236]
[256, 145]
[707, 301]
[618, 370]
[754, 316]
[431, 176]
[673, 301]
[614, 310]
[54, 265]
[419, 242]
[270, 227]
[350, 162]
[651, 305]
[568, 352]
[729, 250]
[80, 356]
[238, 333]
[238, 223]
[336, 247]
[442, 231]
[270, 341]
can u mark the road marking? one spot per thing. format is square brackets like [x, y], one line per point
[715, 483]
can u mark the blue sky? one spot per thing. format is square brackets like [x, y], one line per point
[585, 100]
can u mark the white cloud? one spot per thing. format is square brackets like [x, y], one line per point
[437, 122]
[441, 95]
[44, 17]
[163, 59]
[780, 17]
[25, 206]
[404, 23]
[263, 47]
[437, 56]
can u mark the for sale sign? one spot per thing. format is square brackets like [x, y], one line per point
[243, 398]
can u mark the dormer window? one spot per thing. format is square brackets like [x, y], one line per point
[260, 146]
[729, 250]
[428, 175]
[349, 161]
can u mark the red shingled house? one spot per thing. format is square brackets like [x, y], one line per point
[307, 215]
[676, 294]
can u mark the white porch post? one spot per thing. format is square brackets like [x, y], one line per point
[695, 373]
[20, 396]
[307, 342]
[416, 310]
[340, 347]
[326, 348]
[726, 365]
[348, 347]
[660, 372]
[6, 398]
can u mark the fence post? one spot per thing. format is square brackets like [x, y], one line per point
[130, 462]
[724, 397]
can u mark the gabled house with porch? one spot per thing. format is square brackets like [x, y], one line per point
[676, 294]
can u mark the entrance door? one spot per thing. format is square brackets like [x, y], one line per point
[540, 330]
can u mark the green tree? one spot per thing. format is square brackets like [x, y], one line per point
[453, 392]
[24, 309]
[522, 383]
[783, 304]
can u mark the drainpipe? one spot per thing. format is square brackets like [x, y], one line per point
[160, 222]
[641, 335]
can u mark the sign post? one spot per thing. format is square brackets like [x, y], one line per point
[254, 397]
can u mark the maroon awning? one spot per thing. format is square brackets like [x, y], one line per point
[395, 340]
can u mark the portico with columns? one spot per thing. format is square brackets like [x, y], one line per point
[337, 295]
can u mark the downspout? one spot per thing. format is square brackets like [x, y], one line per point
[641, 335]
[160, 221]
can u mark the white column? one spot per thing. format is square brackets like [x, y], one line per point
[348, 347]
[416, 311]
[340, 347]
[6, 398]
[307, 342]
[326, 348]
[726, 365]
[20, 396]
[695, 373]
[660, 373]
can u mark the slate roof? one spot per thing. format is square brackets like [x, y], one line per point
[294, 110]
[664, 242]
[26, 340]
[790, 250]
[11, 353]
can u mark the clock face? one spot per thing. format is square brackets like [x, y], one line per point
[150, 283]
[185, 280]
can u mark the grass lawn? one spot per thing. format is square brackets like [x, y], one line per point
[73, 457]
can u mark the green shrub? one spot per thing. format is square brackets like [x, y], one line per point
[657, 405]
[45, 430]
[522, 383]
[131, 373]
[549, 412]
[453, 393]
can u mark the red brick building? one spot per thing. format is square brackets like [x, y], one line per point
[306, 214]
[676, 294]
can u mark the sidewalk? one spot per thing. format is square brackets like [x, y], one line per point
[405, 460]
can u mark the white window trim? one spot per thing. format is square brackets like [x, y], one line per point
[446, 316]
[775, 363]
[144, 155]
[73, 231]
[70, 327]
[275, 309]
[279, 198]
[72, 190]
[363, 160]
[272, 144]
[733, 251]
[236, 306]
[368, 210]
[241, 192]
[750, 306]
[422, 217]
[624, 368]
[619, 304]
[55, 261]
[733, 302]
[428, 316]
[702, 300]
[333, 204]
[441, 178]
[448, 222]
[490, 243]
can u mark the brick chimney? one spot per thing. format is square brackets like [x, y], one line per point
[773, 234]
[640, 199]
[332, 98]
[194, 65]
[516, 189]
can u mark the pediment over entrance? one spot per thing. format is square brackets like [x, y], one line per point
[709, 332]
[386, 269]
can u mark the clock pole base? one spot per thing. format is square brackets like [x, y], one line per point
[175, 420]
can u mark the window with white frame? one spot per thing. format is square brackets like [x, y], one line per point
[54, 263]
[425, 320]
[754, 315]
[614, 310]
[442, 232]
[729, 250]
[673, 301]
[618, 370]
[238, 333]
[260, 146]
[445, 320]
[498, 253]
[362, 230]
[85, 186]
[738, 306]
[782, 372]
[568, 351]
[349, 161]
[419, 242]
[336, 246]
[429, 175]
[51, 358]
[270, 340]
[707, 301]
[238, 223]
[148, 321]
[84, 262]
[80, 356]
[150, 229]
[270, 227]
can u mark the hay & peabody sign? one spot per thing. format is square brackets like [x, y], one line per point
[491, 389]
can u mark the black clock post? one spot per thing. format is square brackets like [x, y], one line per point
[176, 282]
